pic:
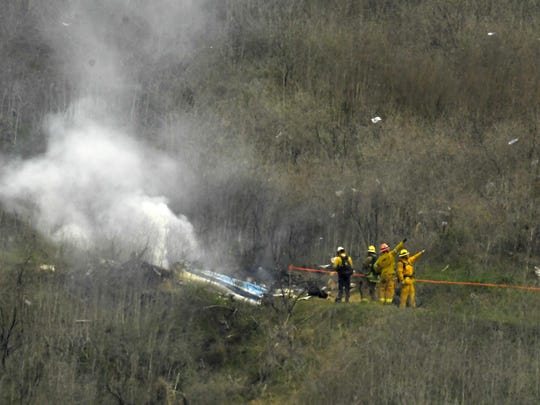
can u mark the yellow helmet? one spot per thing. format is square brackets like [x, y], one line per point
[371, 249]
[403, 253]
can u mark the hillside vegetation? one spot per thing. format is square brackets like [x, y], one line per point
[100, 336]
[266, 107]
[270, 115]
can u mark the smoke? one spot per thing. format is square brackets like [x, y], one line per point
[97, 186]
[105, 46]
[93, 188]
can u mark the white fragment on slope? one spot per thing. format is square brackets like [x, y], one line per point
[491, 33]
[513, 141]
[376, 119]
[47, 267]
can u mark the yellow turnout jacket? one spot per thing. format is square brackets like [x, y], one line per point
[405, 266]
[386, 262]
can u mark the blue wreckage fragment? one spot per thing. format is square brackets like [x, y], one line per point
[242, 289]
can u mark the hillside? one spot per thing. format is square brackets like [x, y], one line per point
[265, 109]
[118, 335]
[246, 136]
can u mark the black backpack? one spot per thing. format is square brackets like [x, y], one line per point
[345, 267]
[369, 268]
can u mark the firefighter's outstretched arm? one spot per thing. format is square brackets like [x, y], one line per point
[416, 256]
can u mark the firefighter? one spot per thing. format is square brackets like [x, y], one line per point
[385, 267]
[405, 271]
[369, 279]
[343, 265]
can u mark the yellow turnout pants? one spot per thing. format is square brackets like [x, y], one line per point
[387, 286]
[407, 292]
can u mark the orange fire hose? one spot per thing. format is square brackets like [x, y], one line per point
[419, 280]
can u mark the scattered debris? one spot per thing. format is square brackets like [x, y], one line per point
[537, 271]
[315, 291]
[376, 119]
[135, 270]
[47, 267]
[284, 292]
[513, 141]
[244, 290]
[491, 34]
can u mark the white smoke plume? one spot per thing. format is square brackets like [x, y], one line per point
[96, 185]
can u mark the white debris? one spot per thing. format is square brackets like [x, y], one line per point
[513, 141]
[47, 267]
[65, 24]
[491, 33]
[376, 119]
[537, 271]
[339, 193]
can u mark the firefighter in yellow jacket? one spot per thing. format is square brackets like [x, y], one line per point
[385, 267]
[343, 265]
[369, 280]
[405, 271]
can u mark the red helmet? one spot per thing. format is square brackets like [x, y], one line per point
[384, 248]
